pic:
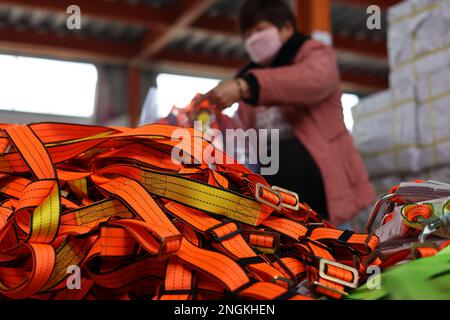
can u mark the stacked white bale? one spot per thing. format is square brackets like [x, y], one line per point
[441, 174]
[385, 131]
[384, 184]
[433, 98]
[418, 39]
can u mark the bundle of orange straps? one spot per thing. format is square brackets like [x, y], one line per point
[112, 202]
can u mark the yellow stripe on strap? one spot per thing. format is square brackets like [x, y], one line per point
[204, 197]
[45, 219]
[67, 255]
[95, 212]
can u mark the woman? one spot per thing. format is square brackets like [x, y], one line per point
[292, 84]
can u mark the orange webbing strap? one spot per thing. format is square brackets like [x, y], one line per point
[94, 213]
[71, 252]
[156, 222]
[45, 216]
[227, 236]
[414, 251]
[137, 224]
[315, 240]
[24, 285]
[14, 187]
[82, 294]
[217, 265]
[269, 291]
[32, 151]
[5, 213]
[52, 133]
[178, 283]
[230, 274]
[190, 192]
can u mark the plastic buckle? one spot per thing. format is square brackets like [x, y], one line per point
[274, 235]
[211, 233]
[259, 187]
[322, 273]
[292, 193]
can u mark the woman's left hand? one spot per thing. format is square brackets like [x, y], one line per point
[226, 93]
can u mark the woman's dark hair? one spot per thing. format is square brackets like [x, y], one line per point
[277, 12]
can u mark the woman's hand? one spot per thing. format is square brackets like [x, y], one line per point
[228, 92]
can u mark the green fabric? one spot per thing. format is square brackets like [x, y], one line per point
[422, 279]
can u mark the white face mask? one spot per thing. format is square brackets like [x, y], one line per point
[263, 46]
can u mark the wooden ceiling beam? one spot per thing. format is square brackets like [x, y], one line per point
[165, 23]
[383, 4]
[359, 46]
[198, 59]
[188, 12]
[135, 14]
[375, 49]
[364, 80]
[67, 47]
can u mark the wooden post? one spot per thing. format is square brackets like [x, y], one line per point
[134, 94]
[314, 18]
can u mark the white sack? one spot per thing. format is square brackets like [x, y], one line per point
[384, 184]
[385, 132]
[433, 98]
[418, 39]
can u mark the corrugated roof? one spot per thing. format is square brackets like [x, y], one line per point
[44, 21]
[347, 21]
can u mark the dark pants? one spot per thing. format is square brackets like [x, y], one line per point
[298, 172]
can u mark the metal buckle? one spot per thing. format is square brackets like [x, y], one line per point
[292, 193]
[376, 210]
[434, 225]
[315, 224]
[210, 231]
[380, 203]
[429, 229]
[324, 275]
[260, 186]
[274, 235]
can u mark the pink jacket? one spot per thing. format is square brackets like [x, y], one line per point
[309, 94]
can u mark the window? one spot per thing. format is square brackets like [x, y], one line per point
[348, 102]
[47, 86]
